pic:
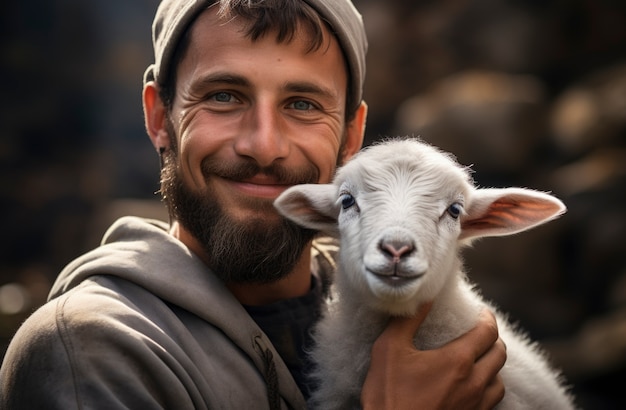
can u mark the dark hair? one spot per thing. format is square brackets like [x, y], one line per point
[285, 17]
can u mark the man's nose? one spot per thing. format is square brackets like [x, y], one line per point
[263, 135]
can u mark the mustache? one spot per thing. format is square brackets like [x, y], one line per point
[242, 170]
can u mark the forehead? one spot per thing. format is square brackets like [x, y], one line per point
[210, 31]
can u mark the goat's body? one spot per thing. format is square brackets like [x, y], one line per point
[403, 211]
[345, 337]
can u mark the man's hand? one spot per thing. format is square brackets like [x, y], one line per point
[462, 374]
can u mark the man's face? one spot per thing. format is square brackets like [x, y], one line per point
[251, 119]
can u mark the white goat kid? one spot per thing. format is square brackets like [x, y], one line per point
[403, 210]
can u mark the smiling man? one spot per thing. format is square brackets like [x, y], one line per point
[215, 308]
[247, 120]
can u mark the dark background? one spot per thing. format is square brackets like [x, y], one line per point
[532, 93]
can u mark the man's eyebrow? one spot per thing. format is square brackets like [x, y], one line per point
[305, 87]
[218, 78]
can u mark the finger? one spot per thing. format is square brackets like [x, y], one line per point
[489, 364]
[494, 393]
[404, 327]
[481, 338]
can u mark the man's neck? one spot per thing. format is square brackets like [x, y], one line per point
[297, 283]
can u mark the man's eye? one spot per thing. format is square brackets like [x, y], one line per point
[302, 105]
[222, 97]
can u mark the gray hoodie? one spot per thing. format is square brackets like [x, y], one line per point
[141, 323]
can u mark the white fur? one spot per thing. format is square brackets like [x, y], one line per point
[402, 192]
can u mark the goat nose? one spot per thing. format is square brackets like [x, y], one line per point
[396, 250]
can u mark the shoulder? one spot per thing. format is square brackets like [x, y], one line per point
[104, 314]
[35, 360]
[70, 326]
[89, 345]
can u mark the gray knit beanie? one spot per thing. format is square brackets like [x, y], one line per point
[174, 16]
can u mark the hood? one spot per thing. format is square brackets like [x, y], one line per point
[143, 252]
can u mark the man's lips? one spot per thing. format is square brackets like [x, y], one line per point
[248, 180]
[258, 186]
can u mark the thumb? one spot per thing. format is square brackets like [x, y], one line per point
[404, 327]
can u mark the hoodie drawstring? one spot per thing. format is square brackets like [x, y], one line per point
[270, 375]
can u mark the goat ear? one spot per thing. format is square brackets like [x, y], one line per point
[500, 212]
[313, 206]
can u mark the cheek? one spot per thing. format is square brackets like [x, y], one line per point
[327, 164]
[198, 139]
[323, 152]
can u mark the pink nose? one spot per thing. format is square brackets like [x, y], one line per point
[396, 251]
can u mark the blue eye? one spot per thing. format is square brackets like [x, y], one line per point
[302, 105]
[455, 210]
[347, 201]
[223, 97]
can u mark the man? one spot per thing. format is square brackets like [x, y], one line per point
[214, 309]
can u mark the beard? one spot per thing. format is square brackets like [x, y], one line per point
[256, 250]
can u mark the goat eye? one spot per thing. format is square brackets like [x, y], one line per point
[347, 201]
[455, 210]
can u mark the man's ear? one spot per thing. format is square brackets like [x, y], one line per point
[154, 112]
[354, 133]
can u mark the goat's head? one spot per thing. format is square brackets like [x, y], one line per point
[402, 210]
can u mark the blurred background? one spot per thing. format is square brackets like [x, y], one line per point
[531, 92]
